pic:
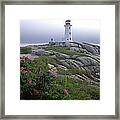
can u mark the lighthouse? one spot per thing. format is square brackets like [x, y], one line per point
[68, 31]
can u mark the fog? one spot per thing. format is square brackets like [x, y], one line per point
[41, 31]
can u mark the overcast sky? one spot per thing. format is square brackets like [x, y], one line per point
[41, 31]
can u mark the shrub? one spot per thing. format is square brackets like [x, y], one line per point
[37, 82]
[25, 50]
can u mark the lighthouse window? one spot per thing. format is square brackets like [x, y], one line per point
[69, 27]
[69, 32]
[70, 38]
[67, 39]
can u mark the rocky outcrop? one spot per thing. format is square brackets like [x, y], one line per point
[41, 52]
[61, 55]
[94, 49]
[84, 58]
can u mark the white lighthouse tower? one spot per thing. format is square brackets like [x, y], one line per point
[68, 31]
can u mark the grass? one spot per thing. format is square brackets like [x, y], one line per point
[66, 50]
[39, 84]
[80, 90]
[25, 50]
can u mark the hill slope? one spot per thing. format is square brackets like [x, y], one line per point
[74, 71]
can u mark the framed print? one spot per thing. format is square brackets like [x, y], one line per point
[60, 60]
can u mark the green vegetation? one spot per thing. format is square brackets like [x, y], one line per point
[66, 50]
[25, 50]
[42, 79]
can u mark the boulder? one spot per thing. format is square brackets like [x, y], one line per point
[94, 49]
[61, 66]
[61, 55]
[64, 63]
[80, 64]
[41, 52]
[87, 61]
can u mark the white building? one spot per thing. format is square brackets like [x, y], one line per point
[68, 31]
